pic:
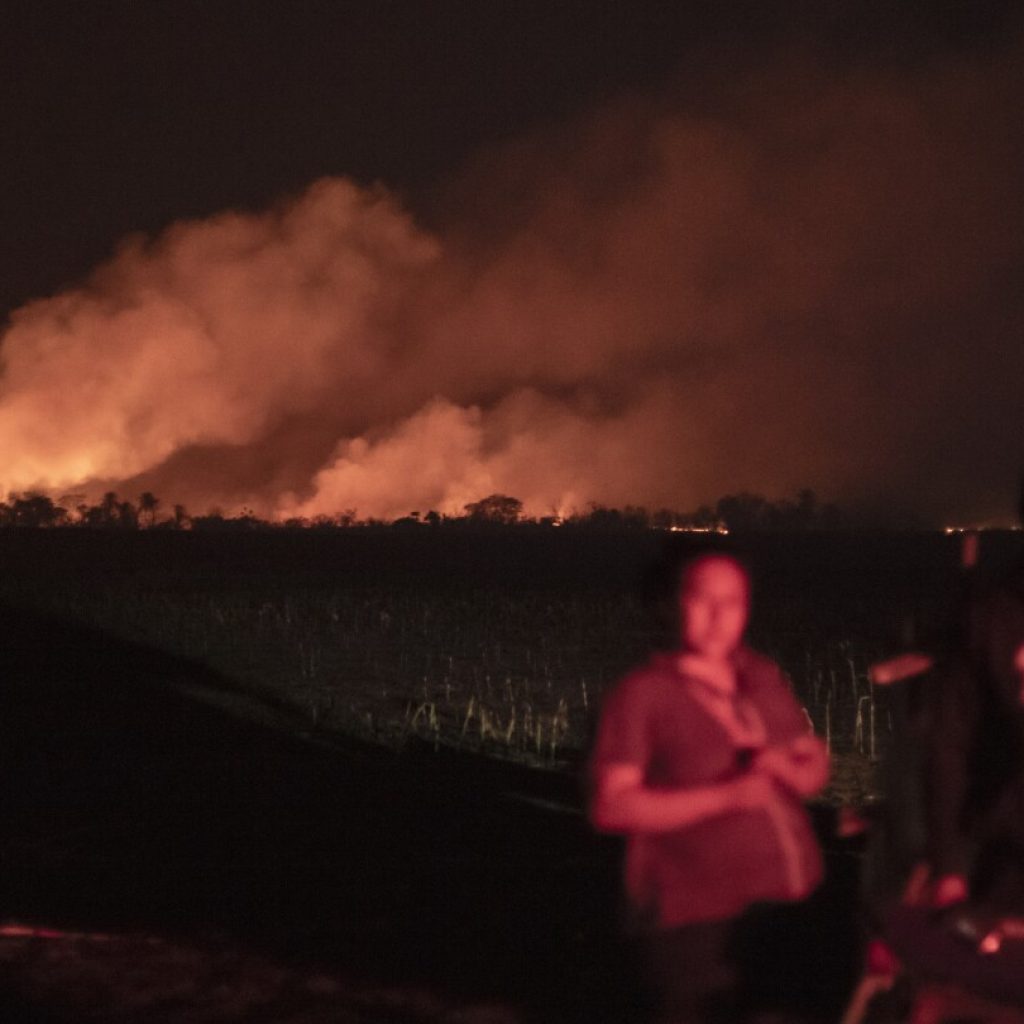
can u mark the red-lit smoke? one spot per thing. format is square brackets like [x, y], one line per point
[812, 280]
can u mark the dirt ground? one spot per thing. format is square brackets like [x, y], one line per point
[172, 851]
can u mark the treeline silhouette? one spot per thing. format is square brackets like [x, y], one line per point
[742, 511]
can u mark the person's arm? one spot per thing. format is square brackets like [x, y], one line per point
[801, 765]
[622, 803]
[948, 890]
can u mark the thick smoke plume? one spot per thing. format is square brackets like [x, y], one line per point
[805, 280]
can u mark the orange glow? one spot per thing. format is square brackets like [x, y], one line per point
[616, 340]
[719, 528]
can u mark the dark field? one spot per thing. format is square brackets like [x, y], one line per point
[305, 776]
[496, 640]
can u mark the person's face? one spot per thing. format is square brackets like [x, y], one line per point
[713, 608]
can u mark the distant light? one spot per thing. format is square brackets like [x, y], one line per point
[982, 528]
[719, 528]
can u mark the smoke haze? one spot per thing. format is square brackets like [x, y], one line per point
[800, 279]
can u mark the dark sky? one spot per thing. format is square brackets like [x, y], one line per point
[128, 117]
[125, 116]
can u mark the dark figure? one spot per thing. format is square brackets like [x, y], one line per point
[898, 851]
[966, 925]
[701, 760]
[975, 795]
[976, 760]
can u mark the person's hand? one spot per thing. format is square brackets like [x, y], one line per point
[784, 764]
[775, 762]
[752, 791]
[948, 890]
[801, 765]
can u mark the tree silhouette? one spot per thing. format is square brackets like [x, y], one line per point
[36, 510]
[110, 509]
[148, 505]
[127, 516]
[495, 508]
[738, 512]
[745, 511]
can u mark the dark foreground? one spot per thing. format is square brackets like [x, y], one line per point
[172, 851]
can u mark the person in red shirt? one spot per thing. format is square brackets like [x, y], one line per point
[702, 760]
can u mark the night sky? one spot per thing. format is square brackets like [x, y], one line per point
[308, 257]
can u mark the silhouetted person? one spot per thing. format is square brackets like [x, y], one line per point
[701, 760]
[976, 759]
[965, 924]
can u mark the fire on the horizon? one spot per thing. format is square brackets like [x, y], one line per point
[728, 309]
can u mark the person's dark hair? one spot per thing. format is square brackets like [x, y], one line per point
[689, 568]
[663, 578]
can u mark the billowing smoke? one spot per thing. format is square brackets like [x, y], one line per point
[211, 336]
[803, 280]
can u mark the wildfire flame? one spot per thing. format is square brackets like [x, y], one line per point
[722, 311]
